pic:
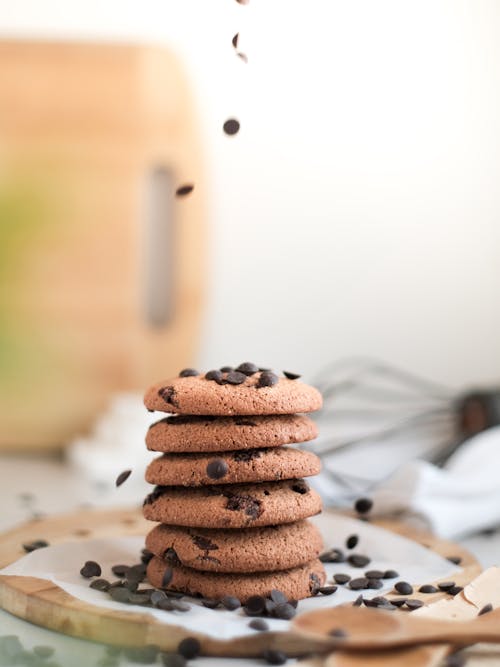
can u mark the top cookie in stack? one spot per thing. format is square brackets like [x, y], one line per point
[230, 497]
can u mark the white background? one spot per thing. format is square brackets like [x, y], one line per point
[357, 212]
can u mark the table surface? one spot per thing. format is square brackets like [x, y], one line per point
[33, 486]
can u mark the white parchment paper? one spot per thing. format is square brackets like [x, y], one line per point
[61, 564]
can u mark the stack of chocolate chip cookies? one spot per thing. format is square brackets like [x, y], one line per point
[229, 497]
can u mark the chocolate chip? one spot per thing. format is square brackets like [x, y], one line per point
[204, 543]
[267, 379]
[404, 588]
[342, 578]
[120, 570]
[100, 584]
[370, 603]
[284, 611]
[216, 376]
[156, 597]
[300, 486]
[146, 556]
[363, 505]
[217, 469]
[234, 41]
[189, 648]
[456, 560]
[414, 604]
[122, 477]
[258, 624]
[327, 590]
[173, 660]
[358, 601]
[245, 455]
[167, 577]
[486, 609]
[374, 584]
[427, 588]
[136, 573]
[247, 368]
[226, 369]
[168, 395]
[398, 602]
[357, 560]
[170, 555]
[314, 583]
[165, 604]
[119, 594]
[33, 546]
[235, 377]
[291, 376]
[374, 574]
[231, 126]
[184, 190]
[43, 651]
[139, 598]
[278, 597]
[338, 633]
[188, 372]
[230, 602]
[446, 585]
[390, 574]
[352, 541]
[332, 556]
[91, 569]
[210, 604]
[358, 584]
[271, 655]
[455, 590]
[244, 503]
[255, 605]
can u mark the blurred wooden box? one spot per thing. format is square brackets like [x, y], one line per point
[101, 267]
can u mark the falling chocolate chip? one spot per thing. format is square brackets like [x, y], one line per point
[184, 190]
[214, 375]
[122, 477]
[234, 41]
[91, 569]
[300, 486]
[247, 368]
[235, 377]
[231, 126]
[404, 588]
[267, 379]
[363, 505]
[358, 560]
[352, 541]
[188, 372]
[189, 648]
[291, 376]
[427, 588]
[217, 469]
[33, 546]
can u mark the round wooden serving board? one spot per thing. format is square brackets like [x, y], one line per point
[41, 602]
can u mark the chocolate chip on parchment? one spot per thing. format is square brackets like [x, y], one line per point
[398, 602]
[327, 590]
[255, 605]
[284, 610]
[278, 596]
[91, 569]
[428, 588]
[456, 560]
[271, 655]
[217, 469]
[358, 584]
[291, 376]
[188, 372]
[414, 604]
[189, 647]
[267, 379]
[235, 377]
[341, 578]
[455, 590]
[258, 624]
[119, 594]
[99, 584]
[352, 541]
[363, 505]
[404, 588]
[486, 609]
[446, 585]
[36, 544]
[247, 368]
[300, 486]
[122, 477]
[156, 596]
[184, 190]
[390, 574]
[139, 598]
[120, 570]
[210, 604]
[358, 601]
[374, 584]
[216, 376]
[230, 602]
[136, 573]
[332, 556]
[358, 560]
[374, 574]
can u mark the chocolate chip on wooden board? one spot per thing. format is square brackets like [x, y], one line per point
[36, 544]
[403, 588]
[274, 656]
[189, 648]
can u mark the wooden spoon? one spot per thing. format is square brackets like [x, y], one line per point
[368, 629]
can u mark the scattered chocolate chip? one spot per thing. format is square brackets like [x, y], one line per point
[216, 376]
[210, 604]
[184, 190]
[120, 570]
[284, 611]
[122, 477]
[358, 584]
[244, 503]
[119, 594]
[255, 605]
[404, 588]
[139, 598]
[217, 469]
[390, 574]
[446, 585]
[338, 633]
[43, 651]
[247, 368]
[230, 602]
[388, 606]
[100, 584]
[91, 569]
[455, 590]
[358, 601]
[300, 486]
[188, 372]
[370, 603]
[156, 596]
[427, 588]
[167, 577]
[327, 590]
[235, 377]
[173, 660]
[258, 624]
[189, 648]
[374, 584]
[486, 609]
[291, 376]
[398, 602]
[456, 560]
[363, 505]
[278, 597]
[267, 379]
[231, 127]
[332, 556]
[270, 607]
[165, 604]
[352, 541]
[374, 574]
[136, 573]
[33, 546]
[271, 655]
[357, 560]
[341, 578]
[414, 604]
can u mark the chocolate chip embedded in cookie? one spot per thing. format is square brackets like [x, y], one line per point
[295, 583]
[232, 506]
[247, 550]
[236, 467]
[184, 433]
[235, 393]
